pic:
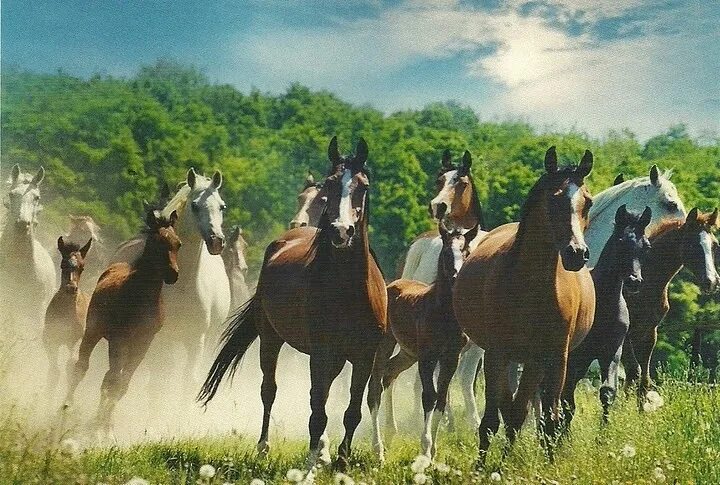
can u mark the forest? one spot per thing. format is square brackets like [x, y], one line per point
[108, 143]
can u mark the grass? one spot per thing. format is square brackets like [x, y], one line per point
[680, 442]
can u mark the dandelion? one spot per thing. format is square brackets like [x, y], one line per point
[495, 477]
[69, 447]
[442, 468]
[420, 478]
[294, 475]
[137, 481]
[207, 471]
[420, 464]
[342, 479]
[659, 474]
[628, 451]
[257, 481]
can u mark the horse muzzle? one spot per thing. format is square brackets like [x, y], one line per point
[215, 244]
[438, 211]
[574, 256]
[633, 283]
[295, 224]
[171, 276]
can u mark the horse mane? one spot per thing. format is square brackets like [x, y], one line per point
[604, 200]
[665, 226]
[476, 205]
[534, 194]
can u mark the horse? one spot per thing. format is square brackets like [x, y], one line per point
[525, 295]
[27, 272]
[236, 268]
[421, 321]
[81, 229]
[619, 267]
[127, 310]
[202, 296]
[675, 243]
[65, 315]
[309, 206]
[321, 291]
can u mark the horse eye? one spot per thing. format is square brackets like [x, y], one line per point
[194, 206]
[223, 207]
[672, 205]
[37, 197]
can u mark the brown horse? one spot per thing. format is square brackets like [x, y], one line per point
[126, 309]
[674, 244]
[309, 206]
[524, 295]
[65, 315]
[422, 322]
[321, 291]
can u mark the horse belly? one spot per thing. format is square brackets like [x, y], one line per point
[284, 300]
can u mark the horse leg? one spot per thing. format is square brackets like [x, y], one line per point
[109, 390]
[643, 351]
[532, 375]
[401, 362]
[426, 367]
[361, 371]
[324, 368]
[270, 345]
[551, 390]
[608, 390]
[495, 372]
[448, 366]
[78, 369]
[630, 363]
[375, 389]
[576, 369]
[467, 372]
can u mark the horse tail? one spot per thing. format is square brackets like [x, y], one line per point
[242, 331]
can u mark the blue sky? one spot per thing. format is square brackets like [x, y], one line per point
[589, 64]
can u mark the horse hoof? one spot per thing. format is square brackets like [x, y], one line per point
[263, 448]
[341, 464]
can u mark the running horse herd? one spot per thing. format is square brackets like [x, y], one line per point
[532, 303]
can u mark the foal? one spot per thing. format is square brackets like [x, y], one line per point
[422, 322]
[126, 309]
[65, 315]
[618, 267]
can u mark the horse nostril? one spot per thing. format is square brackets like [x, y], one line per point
[351, 231]
[303, 224]
[441, 208]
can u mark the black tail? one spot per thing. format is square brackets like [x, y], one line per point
[237, 337]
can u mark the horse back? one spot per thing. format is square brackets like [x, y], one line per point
[405, 305]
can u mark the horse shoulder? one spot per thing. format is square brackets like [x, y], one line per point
[576, 300]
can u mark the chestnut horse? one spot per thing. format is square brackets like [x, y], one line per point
[422, 322]
[126, 309]
[309, 206]
[524, 295]
[65, 315]
[618, 267]
[674, 244]
[321, 291]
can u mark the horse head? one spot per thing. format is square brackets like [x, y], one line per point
[23, 201]
[163, 244]
[455, 249]
[456, 196]
[632, 244]
[207, 208]
[309, 206]
[700, 246]
[72, 263]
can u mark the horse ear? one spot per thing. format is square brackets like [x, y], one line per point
[146, 205]
[38, 178]
[333, 153]
[655, 176]
[621, 215]
[447, 160]
[173, 218]
[84, 250]
[619, 179]
[466, 163]
[445, 235]
[713, 219]
[164, 190]
[692, 217]
[309, 180]
[191, 178]
[217, 179]
[15, 174]
[551, 164]
[646, 217]
[586, 164]
[361, 154]
[151, 219]
[61, 244]
[470, 235]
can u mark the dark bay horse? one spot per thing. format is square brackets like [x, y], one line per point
[65, 315]
[619, 266]
[422, 322]
[674, 244]
[126, 309]
[525, 295]
[321, 291]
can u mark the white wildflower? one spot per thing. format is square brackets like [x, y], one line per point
[442, 468]
[495, 477]
[420, 478]
[659, 474]
[257, 481]
[69, 447]
[628, 451]
[655, 398]
[137, 481]
[342, 479]
[207, 471]
[294, 475]
[420, 464]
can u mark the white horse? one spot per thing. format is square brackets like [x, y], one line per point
[236, 267]
[27, 272]
[655, 191]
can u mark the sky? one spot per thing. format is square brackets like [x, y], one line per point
[590, 65]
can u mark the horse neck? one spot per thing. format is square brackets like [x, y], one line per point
[664, 259]
[605, 274]
[18, 245]
[534, 247]
[442, 289]
[148, 275]
[189, 256]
